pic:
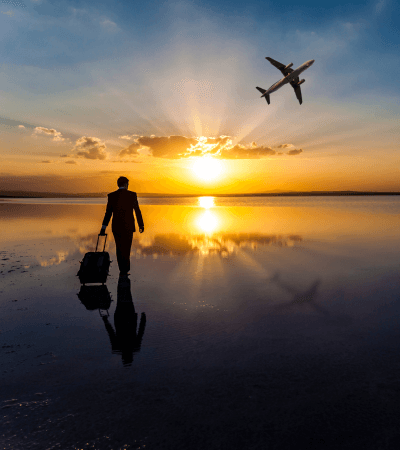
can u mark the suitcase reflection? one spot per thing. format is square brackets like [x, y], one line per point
[125, 337]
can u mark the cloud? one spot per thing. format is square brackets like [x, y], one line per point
[167, 146]
[90, 148]
[178, 147]
[250, 152]
[109, 25]
[225, 244]
[218, 144]
[295, 152]
[57, 136]
[129, 138]
[131, 150]
[126, 162]
[14, 3]
[379, 6]
[21, 126]
[49, 161]
[8, 13]
[174, 147]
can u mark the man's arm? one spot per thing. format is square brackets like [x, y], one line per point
[140, 334]
[115, 344]
[107, 216]
[138, 213]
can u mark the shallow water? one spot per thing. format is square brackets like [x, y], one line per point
[268, 323]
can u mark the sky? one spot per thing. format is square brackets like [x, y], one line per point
[163, 92]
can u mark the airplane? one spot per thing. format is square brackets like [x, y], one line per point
[290, 76]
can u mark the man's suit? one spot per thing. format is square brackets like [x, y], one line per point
[121, 204]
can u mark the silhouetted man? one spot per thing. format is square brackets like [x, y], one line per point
[121, 204]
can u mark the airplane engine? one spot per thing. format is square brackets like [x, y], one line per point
[300, 82]
[288, 66]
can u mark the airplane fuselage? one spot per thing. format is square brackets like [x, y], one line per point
[290, 77]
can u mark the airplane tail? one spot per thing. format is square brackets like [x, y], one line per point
[263, 91]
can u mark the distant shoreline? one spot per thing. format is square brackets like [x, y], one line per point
[10, 195]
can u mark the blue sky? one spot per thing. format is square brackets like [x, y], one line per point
[50, 33]
[111, 68]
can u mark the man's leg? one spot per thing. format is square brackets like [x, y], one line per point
[123, 243]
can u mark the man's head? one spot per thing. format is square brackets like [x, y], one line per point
[122, 182]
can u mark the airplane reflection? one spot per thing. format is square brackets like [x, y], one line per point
[308, 298]
[125, 339]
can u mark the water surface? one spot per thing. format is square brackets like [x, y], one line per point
[268, 323]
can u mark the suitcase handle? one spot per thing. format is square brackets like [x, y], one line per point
[104, 315]
[105, 240]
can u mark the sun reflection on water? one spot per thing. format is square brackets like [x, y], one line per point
[206, 202]
[208, 222]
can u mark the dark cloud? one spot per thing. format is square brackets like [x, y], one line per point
[48, 161]
[90, 148]
[129, 161]
[243, 152]
[15, 123]
[56, 135]
[174, 147]
[71, 162]
[167, 146]
[295, 152]
[131, 150]
[56, 183]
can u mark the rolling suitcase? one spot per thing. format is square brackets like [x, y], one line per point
[94, 266]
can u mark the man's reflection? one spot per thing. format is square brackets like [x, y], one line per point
[125, 340]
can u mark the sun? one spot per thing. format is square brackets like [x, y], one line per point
[207, 168]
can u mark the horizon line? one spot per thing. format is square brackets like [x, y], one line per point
[36, 194]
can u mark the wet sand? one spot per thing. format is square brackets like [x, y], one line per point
[264, 330]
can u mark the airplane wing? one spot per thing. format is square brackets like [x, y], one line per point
[280, 66]
[297, 89]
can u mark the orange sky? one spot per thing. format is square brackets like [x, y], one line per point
[283, 172]
[282, 146]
